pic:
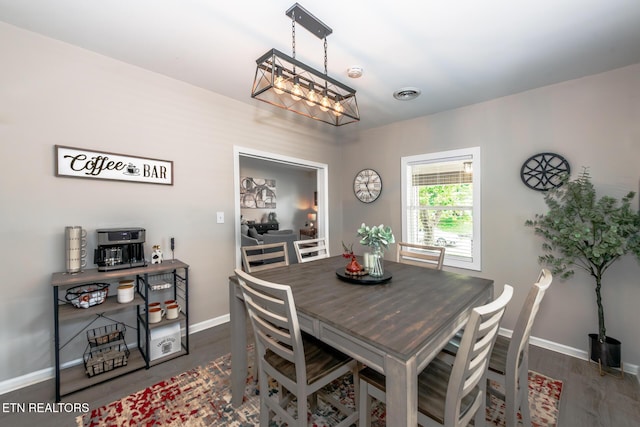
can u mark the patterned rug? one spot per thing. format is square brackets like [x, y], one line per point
[200, 397]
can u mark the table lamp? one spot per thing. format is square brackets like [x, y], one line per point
[311, 217]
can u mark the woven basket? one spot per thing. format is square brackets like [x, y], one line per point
[85, 296]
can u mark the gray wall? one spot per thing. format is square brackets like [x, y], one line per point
[294, 191]
[594, 122]
[53, 93]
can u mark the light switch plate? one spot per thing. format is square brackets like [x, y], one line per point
[220, 217]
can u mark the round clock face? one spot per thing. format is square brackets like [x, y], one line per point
[544, 171]
[367, 185]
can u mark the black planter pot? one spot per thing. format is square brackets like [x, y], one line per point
[606, 353]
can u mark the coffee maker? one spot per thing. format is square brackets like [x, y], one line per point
[120, 248]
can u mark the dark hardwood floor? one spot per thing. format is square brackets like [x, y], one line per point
[587, 398]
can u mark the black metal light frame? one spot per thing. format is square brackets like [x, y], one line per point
[285, 82]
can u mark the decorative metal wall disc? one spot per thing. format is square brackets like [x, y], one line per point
[544, 171]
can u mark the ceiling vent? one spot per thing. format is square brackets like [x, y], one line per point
[407, 93]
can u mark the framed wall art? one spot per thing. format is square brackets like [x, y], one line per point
[259, 193]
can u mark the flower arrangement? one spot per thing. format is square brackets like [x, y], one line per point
[378, 235]
[379, 238]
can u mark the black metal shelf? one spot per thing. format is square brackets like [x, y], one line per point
[72, 379]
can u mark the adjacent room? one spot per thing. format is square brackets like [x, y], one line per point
[204, 200]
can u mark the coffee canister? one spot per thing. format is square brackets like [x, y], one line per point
[125, 291]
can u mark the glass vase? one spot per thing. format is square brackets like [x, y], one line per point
[376, 263]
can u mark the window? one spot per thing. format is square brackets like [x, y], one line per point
[441, 204]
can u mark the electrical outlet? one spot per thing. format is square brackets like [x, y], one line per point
[220, 217]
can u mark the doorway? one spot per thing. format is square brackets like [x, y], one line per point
[321, 185]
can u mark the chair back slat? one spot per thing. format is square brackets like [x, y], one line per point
[311, 249]
[264, 257]
[472, 359]
[273, 316]
[420, 255]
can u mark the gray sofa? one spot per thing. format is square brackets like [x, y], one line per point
[287, 236]
[249, 238]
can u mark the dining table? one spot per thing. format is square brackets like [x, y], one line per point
[396, 327]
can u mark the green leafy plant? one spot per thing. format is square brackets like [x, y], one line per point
[583, 231]
[378, 235]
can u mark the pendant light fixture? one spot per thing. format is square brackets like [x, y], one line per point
[285, 82]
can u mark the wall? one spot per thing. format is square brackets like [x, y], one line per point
[294, 191]
[54, 93]
[592, 122]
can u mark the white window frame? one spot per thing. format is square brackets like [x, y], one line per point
[473, 155]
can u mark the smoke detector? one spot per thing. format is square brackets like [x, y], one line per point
[407, 93]
[354, 72]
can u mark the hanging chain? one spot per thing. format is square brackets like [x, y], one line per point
[293, 37]
[325, 55]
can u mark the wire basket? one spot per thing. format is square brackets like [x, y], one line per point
[105, 359]
[85, 296]
[106, 334]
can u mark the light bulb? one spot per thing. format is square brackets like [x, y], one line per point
[337, 108]
[278, 85]
[325, 104]
[312, 96]
[296, 91]
[279, 82]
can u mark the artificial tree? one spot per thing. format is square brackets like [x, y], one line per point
[582, 231]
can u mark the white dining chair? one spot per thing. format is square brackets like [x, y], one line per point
[263, 257]
[300, 364]
[509, 362]
[449, 395]
[311, 249]
[420, 255]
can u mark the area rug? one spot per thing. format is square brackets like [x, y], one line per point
[200, 397]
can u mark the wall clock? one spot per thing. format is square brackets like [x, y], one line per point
[544, 171]
[367, 185]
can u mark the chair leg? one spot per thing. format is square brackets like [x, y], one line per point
[364, 405]
[356, 389]
[265, 413]
[302, 411]
[313, 402]
[480, 418]
[523, 398]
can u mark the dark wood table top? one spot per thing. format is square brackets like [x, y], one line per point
[399, 316]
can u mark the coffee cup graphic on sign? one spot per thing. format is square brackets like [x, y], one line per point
[131, 169]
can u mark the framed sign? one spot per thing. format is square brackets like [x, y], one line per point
[83, 163]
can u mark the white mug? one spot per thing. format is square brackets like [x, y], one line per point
[75, 243]
[155, 314]
[173, 311]
[75, 236]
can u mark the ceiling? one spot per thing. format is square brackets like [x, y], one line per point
[456, 52]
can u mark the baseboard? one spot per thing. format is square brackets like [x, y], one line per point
[216, 321]
[36, 377]
[569, 351]
[32, 378]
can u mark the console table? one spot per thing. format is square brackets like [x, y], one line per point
[308, 233]
[263, 227]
